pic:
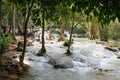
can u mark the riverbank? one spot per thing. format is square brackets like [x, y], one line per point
[10, 68]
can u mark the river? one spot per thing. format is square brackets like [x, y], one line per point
[91, 61]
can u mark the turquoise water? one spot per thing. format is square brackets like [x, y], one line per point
[80, 39]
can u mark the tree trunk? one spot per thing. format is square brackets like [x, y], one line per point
[43, 50]
[103, 33]
[61, 31]
[91, 31]
[25, 32]
[10, 29]
[18, 22]
[13, 21]
[49, 34]
[70, 38]
[1, 58]
[1, 53]
[0, 13]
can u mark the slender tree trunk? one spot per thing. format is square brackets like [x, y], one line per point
[4, 21]
[70, 38]
[0, 13]
[100, 32]
[10, 29]
[43, 50]
[25, 32]
[0, 59]
[49, 34]
[18, 22]
[90, 31]
[1, 56]
[103, 33]
[61, 30]
[13, 21]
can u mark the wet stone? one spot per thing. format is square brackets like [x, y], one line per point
[61, 62]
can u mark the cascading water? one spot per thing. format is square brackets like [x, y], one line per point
[91, 61]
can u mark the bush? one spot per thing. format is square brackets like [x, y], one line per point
[10, 38]
[3, 43]
[66, 42]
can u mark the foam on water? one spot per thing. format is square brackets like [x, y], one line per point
[88, 58]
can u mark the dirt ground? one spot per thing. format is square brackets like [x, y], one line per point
[10, 68]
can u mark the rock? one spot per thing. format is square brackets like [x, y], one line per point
[30, 59]
[19, 49]
[118, 57]
[119, 48]
[106, 70]
[19, 46]
[111, 49]
[14, 57]
[59, 39]
[29, 42]
[102, 42]
[65, 44]
[61, 62]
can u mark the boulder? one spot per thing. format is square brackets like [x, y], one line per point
[61, 62]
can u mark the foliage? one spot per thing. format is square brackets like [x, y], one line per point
[114, 29]
[10, 38]
[66, 42]
[114, 43]
[3, 42]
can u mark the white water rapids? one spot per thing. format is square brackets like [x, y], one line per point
[90, 62]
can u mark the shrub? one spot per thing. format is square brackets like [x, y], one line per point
[66, 42]
[10, 38]
[3, 43]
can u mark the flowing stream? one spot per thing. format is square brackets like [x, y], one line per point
[91, 61]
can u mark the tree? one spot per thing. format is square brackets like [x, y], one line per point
[28, 10]
[12, 21]
[74, 9]
[104, 10]
[70, 38]
[92, 27]
[42, 6]
[114, 29]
